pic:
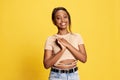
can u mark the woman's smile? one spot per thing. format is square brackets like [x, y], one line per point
[63, 24]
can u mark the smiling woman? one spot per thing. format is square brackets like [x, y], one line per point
[63, 49]
[25, 24]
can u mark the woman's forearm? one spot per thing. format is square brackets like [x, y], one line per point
[51, 61]
[81, 56]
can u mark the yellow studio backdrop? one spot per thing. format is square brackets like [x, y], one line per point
[25, 25]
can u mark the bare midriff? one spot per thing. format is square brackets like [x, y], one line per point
[66, 64]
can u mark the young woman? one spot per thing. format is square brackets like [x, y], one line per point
[63, 49]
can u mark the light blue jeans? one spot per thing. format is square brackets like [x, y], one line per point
[64, 76]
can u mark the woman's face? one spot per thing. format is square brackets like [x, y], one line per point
[61, 19]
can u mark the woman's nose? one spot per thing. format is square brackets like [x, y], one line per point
[62, 19]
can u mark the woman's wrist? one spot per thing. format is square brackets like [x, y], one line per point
[69, 45]
[63, 49]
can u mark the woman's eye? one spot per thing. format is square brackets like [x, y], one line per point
[57, 18]
[65, 17]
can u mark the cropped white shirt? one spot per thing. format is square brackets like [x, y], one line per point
[74, 39]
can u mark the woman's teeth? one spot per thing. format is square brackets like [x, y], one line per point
[63, 24]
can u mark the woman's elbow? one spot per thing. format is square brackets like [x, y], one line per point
[46, 66]
[84, 60]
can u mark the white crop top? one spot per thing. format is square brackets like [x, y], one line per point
[74, 39]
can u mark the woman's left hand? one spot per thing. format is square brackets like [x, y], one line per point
[63, 42]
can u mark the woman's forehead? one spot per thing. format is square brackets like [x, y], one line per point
[60, 12]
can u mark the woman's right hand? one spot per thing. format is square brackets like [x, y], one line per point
[60, 44]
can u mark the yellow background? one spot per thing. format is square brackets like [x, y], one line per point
[25, 25]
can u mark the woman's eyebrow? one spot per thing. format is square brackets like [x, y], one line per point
[60, 15]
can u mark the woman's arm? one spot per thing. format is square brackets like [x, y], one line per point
[50, 59]
[78, 54]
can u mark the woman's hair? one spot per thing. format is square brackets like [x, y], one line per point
[61, 8]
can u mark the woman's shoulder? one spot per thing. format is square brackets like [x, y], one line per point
[51, 37]
[76, 34]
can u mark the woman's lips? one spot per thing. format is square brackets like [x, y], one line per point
[63, 24]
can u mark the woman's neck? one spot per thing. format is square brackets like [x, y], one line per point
[62, 32]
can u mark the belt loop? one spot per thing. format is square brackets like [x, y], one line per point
[73, 69]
